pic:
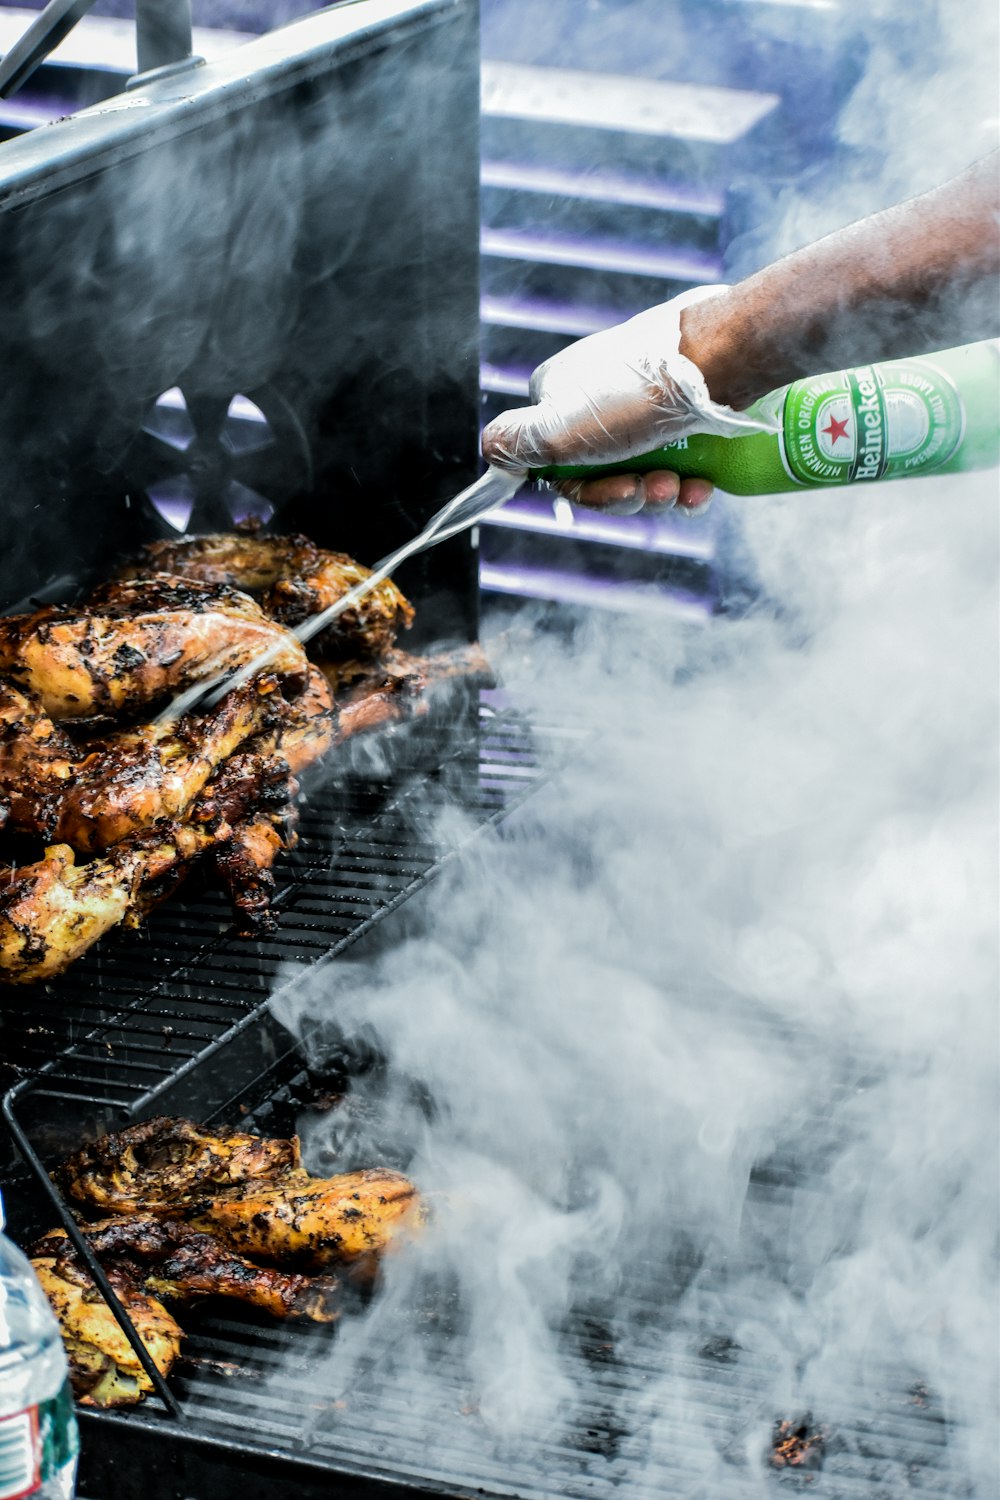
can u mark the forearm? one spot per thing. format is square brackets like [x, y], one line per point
[920, 276]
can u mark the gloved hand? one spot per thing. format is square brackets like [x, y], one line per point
[610, 397]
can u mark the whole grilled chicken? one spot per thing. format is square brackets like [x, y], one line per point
[93, 795]
[103, 1367]
[178, 1264]
[134, 642]
[163, 1165]
[293, 578]
[312, 1221]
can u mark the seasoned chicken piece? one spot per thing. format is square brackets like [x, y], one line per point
[172, 1261]
[312, 1221]
[243, 864]
[164, 1164]
[132, 643]
[52, 911]
[103, 1367]
[400, 686]
[307, 727]
[93, 795]
[294, 579]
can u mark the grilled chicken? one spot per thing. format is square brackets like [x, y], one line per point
[162, 1165]
[52, 911]
[312, 1221]
[93, 795]
[307, 727]
[248, 1191]
[370, 695]
[134, 642]
[243, 865]
[294, 579]
[103, 1367]
[170, 1260]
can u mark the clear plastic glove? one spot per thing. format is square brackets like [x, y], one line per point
[610, 397]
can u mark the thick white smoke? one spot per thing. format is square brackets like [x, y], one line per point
[755, 917]
[760, 911]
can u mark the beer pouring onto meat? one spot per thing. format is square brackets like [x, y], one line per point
[89, 771]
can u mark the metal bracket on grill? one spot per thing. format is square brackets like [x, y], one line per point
[89, 1259]
[163, 40]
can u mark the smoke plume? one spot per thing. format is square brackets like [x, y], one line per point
[705, 1044]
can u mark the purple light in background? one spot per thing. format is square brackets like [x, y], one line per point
[672, 535]
[601, 187]
[543, 316]
[607, 255]
[594, 593]
[506, 380]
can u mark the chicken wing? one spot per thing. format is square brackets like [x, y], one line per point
[162, 1165]
[104, 1369]
[132, 643]
[171, 1261]
[312, 1221]
[93, 795]
[294, 579]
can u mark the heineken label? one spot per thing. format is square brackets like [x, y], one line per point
[874, 422]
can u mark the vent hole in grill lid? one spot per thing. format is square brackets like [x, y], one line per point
[204, 461]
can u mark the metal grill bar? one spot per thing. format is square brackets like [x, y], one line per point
[129, 1019]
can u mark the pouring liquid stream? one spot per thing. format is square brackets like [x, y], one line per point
[491, 490]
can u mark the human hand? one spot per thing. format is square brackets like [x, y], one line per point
[613, 396]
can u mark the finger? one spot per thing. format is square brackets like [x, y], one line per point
[521, 439]
[623, 494]
[661, 489]
[694, 496]
[616, 494]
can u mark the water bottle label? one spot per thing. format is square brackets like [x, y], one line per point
[874, 422]
[20, 1454]
[37, 1446]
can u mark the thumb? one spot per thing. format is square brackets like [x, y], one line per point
[526, 437]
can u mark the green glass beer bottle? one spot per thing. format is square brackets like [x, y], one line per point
[936, 414]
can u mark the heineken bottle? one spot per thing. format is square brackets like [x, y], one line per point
[937, 414]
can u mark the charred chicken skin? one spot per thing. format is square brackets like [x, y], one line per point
[313, 1221]
[175, 1263]
[249, 1192]
[104, 1369]
[93, 795]
[397, 687]
[134, 642]
[165, 1164]
[294, 580]
[52, 911]
[206, 1214]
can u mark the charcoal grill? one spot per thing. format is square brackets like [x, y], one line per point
[251, 288]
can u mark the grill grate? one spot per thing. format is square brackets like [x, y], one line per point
[659, 1409]
[132, 1016]
[658, 1414]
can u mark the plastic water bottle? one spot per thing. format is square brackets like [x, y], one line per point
[936, 414]
[38, 1437]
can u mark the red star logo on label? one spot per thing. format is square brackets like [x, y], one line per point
[836, 429]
